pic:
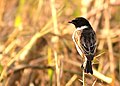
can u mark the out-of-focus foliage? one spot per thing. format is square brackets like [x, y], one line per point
[36, 48]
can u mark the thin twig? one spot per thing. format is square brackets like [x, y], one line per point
[83, 78]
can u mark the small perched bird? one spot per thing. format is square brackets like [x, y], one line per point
[84, 38]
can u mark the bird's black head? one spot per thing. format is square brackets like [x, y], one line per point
[80, 21]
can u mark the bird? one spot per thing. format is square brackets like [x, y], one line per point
[84, 38]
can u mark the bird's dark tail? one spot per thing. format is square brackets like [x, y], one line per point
[88, 68]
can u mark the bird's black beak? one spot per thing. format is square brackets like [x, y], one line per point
[70, 22]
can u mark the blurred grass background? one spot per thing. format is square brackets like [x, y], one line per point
[36, 48]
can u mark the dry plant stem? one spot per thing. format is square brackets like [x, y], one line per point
[54, 16]
[57, 68]
[10, 46]
[55, 40]
[26, 77]
[110, 48]
[40, 4]
[102, 77]
[11, 38]
[69, 83]
[54, 19]
[95, 73]
[83, 78]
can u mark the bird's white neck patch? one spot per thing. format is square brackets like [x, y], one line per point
[82, 27]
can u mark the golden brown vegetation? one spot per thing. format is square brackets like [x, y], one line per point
[36, 48]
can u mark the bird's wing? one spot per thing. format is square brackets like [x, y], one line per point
[88, 44]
